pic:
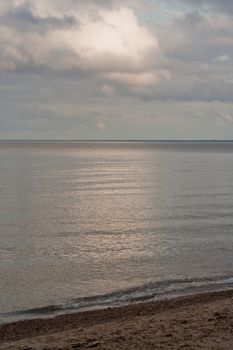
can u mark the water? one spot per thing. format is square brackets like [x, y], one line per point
[96, 224]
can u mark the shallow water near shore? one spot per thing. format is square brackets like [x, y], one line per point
[93, 224]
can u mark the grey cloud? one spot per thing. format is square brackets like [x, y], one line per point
[191, 88]
[206, 90]
[223, 6]
[219, 5]
[197, 37]
[22, 17]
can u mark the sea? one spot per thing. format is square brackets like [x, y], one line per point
[89, 225]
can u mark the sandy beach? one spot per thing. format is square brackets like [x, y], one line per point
[203, 321]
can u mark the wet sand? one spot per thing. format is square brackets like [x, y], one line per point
[203, 321]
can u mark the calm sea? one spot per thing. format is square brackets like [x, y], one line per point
[86, 225]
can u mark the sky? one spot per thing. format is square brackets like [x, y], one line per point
[114, 69]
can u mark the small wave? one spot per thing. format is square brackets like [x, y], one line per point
[146, 292]
[41, 310]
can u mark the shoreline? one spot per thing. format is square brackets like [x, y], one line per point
[204, 314]
[147, 293]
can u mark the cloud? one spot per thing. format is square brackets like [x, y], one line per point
[77, 68]
[138, 79]
[213, 6]
[198, 37]
[198, 52]
[23, 18]
[223, 58]
[105, 41]
[101, 126]
[108, 90]
[216, 5]
[224, 118]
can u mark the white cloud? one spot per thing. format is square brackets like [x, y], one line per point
[112, 40]
[223, 58]
[224, 118]
[108, 90]
[108, 42]
[101, 126]
[147, 78]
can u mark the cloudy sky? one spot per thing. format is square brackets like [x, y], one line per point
[114, 69]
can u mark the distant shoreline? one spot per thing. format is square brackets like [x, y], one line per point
[111, 141]
[191, 322]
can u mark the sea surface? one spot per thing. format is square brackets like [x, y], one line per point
[95, 224]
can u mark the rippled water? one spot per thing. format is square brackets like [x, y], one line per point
[84, 224]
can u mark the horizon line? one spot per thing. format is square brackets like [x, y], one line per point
[116, 140]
